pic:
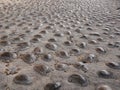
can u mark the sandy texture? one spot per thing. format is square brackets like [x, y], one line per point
[62, 42]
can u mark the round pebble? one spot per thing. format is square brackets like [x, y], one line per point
[82, 45]
[47, 57]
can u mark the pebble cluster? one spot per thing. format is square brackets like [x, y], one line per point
[47, 45]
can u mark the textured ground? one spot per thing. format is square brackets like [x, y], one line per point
[59, 44]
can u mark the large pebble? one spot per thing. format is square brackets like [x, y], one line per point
[78, 79]
[7, 56]
[105, 74]
[22, 79]
[113, 65]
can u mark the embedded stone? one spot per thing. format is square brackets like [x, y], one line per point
[28, 58]
[63, 54]
[37, 51]
[52, 40]
[78, 79]
[68, 43]
[75, 51]
[42, 69]
[82, 66]
[100, 50]
[22, 79]
[4, 43]
[35, 40]
[103, 87]
[47, 57]
[23, 45]
[113, 65]
[61, 67]
[82, 45]
[105, 74]
[51, 46]
[53, 86]
[59, 34]
[7, 56]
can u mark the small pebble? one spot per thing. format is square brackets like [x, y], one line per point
[52, 40]
[47, 57]
[23, 45]
[68, 32]
[75, 51]
[38, 36]
[93, 42]
[100, 50]
[82, 66]
[51, 46]
[68, 43]
[59, 34]
[88, 58]
[95, 33]
[78, 30]
[82, 45]
[42, 69]
[100, 39]
[44, 32]
[61, 67]
[53, 86]
[37, 51]
[28, 58]
[84, 36]
[63, 54]
[35, 40]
